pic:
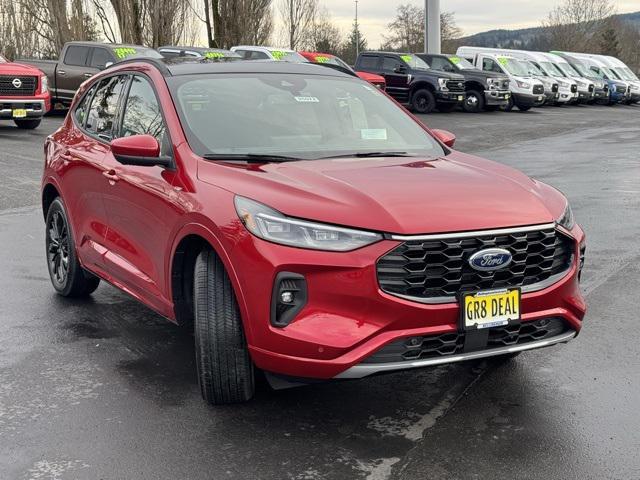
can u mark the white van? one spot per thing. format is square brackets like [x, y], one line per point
[621, 90]
[526, 90]
[568, 88]
[255, 52]
[624, 73]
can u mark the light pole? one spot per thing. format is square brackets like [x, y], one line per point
[432, 26]
[357, 32]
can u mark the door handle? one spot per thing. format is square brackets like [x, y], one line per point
[111, 175]
[88, 75]
[61, 72]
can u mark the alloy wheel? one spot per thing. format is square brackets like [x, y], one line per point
[58, 249]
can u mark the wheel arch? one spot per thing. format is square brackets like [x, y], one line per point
[49, 193]
[474, 85]
[423, 84]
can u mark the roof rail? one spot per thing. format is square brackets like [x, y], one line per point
[156, 62]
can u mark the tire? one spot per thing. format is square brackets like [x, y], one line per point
[68, 278]
[523, 108]
[474, 102]
[447, 107]
[29, 124]
[225, 370]
[423, 101]
[509, 106]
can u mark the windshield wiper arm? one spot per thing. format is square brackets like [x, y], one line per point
[370, 155]
[249, 157]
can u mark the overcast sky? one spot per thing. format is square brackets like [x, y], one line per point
[472, 16]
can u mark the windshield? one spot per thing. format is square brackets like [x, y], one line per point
[622, 73]
[513, 66]
[288, 56]
[586, 72]
[331, 60]
[532, 69]
[630, 73]
[567, 69]
[462, 63]
[125, 53]
[414, 62]
[551, 69]
[610, 73]
[306, 117]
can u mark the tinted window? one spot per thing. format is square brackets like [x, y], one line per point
[441, 64]
[389, 64]
[169, 53]
[100, 57]
[142, 113]
[490, 66]
[368, 62]
[76, 55]
[83, 107]
[104, 107]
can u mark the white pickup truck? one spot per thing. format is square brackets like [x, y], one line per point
[526, 90]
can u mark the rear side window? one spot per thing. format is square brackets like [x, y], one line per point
[76, 55]
[389, 64]
[142, 114]
[368, 62]
[83, 107]
[104, 107]
[100, 57]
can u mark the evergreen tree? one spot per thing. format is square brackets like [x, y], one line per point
[349, 51]
[609, 44]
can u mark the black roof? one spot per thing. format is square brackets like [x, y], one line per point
[194, 66]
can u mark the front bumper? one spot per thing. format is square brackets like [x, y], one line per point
[497, 97]
[347, 317]
[34, 107]
[450, 97]
[528, 100]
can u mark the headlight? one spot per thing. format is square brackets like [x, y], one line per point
[443, 83]
[566, 220]
[44, 84]
[273, 226]
[523, 84]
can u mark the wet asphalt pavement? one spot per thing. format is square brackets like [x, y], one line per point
[106, 389]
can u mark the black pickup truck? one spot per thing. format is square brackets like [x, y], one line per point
[411, 82]
[484, 90]
[81, 60]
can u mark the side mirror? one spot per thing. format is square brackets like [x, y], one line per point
[448, 138]
[107, 65]
[401, 69]
[140, 150]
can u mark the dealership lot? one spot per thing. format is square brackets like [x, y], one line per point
[104, 388]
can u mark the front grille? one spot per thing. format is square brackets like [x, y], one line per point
[538, 89]
[574, 88]
[591, 88]
[436, 346]
[455, 85]
[605, 88]
[554, 88]
[436, 271]
[621, 89]
[27, 85]
[26, 105]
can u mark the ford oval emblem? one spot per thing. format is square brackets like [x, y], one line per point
[490, 259]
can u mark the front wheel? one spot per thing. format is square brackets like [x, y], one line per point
[474, 102]
[67, 276]
[29, 124]
[225, 370]
[423, 101]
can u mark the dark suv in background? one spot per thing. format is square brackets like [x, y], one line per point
[410, 81]
[483, 90]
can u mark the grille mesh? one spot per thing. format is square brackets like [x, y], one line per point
[27, 85]
[438, 270]
[538, 89]
[455, 85]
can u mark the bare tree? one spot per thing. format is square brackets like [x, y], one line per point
[237, 22]
[324, 35]
[578, 24]
[297, 18]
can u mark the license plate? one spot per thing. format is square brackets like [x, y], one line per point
[19, 113]
[460, 98]
[491, 308]
[506, 96]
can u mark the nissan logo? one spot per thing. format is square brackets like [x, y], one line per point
[490, 259]
[16, 82]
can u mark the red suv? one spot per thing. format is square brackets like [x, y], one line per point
[305, 223]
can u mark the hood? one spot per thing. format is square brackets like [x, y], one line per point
[484, 74]
[395, 195]
[18, 69]
[447, 75]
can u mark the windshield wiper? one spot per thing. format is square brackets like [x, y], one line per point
[249, 157]
[370, 155]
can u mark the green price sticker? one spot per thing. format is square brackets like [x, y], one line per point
[214, 55]
[503, 61]
[124, 52]
[406, 58]
[322, 59]
[278, 54]
[455, 60]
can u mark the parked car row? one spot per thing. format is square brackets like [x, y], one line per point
[475, 78]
